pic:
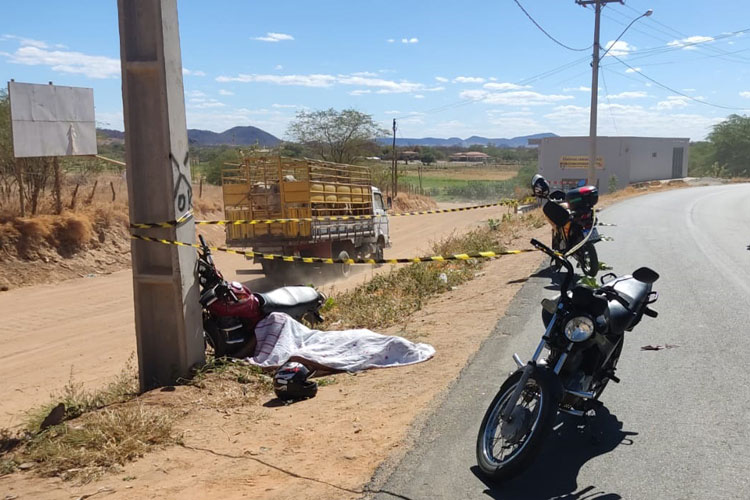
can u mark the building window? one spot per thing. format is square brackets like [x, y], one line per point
[653, 155]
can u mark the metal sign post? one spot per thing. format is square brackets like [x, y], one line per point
[167, 314]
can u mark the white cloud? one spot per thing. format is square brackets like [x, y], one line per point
[364, 73]
[190, 72]
[468, 79]
[278, 67]
[745, 94]
[632, 70]
[313, 80]
[380, 85]
[410, 40]
[390, 40]
[198, 100]
[504, 86]
[690, 42]
[632, 120]
[577, 89]
[672, 102]
[274, 37]
[442, 79]
[29, 42]
[66, 61]
[225, 92]
[619, 48]
[284, 106]
[418, 96]
[629, 95]
[360, 92]
[514, 98]
[195, 93]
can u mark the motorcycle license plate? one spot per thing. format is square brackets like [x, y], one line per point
[594, 235]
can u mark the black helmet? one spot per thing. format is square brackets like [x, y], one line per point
[290, 382]
[540, 186]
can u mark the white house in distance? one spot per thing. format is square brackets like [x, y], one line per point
[563, 161]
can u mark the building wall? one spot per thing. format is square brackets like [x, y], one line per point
[644, 166]
[628, 159]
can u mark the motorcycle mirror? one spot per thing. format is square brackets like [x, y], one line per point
[557, 214]
[645, 275]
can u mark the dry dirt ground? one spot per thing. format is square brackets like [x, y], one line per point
[327, 447]
[324, 448]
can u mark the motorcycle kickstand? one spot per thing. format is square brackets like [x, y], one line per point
[589, 420]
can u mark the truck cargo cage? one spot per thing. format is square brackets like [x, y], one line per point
[273, 187]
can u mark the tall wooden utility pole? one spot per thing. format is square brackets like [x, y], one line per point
[167, 313]
[394, 164]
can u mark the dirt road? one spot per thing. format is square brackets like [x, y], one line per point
[84, 328]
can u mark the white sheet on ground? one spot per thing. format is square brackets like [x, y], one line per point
[280, 337]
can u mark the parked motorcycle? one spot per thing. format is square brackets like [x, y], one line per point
[231, 310]
[583, 340]
[578, 227]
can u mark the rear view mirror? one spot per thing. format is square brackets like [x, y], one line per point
[557, 214]
[645, 275]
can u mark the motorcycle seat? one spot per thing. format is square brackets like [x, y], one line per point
[292, 300]
[635, 294]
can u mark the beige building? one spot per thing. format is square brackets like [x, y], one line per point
[563, 161]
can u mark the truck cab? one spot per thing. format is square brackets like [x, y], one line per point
[382, 226]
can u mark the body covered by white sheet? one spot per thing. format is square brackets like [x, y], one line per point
[280, 337]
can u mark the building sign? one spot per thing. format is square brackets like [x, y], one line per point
[579, 162]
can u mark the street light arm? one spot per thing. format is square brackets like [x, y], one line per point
[645, 14]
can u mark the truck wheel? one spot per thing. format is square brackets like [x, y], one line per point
[343, 270]
[379, 251]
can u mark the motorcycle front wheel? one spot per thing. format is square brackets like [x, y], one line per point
[588, 259]
[506, 448]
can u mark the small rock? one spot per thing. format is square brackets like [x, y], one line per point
[350, 457]
[26, 466]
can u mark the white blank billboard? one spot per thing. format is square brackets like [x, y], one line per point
[51, 120]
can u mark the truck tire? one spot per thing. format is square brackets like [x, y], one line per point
[343, 270]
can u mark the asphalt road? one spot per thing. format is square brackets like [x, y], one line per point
[678, 426]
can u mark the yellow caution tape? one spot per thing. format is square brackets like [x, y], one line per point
[324, 260]
[238, 222]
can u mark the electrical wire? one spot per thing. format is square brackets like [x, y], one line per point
[558, 42]
[636, 70]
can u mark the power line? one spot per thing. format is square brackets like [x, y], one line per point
[636, 70]
[558, 42]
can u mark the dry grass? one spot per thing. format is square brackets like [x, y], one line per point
[97, 432]
[98, 442]
[390, 298]
[411, 202]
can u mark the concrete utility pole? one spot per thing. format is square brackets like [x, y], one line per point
[167, 314]
[598, 4]
[394, 163]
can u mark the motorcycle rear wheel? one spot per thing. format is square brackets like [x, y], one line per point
[588, 260]
[528, 427]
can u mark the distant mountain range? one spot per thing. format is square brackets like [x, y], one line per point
[457, 141]
[247, 136]
[239, 136]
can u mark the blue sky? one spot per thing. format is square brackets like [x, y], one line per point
[443, 69]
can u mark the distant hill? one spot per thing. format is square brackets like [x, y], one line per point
[457, 141]
[240, 136]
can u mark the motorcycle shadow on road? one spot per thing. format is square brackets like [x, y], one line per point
[554, 472]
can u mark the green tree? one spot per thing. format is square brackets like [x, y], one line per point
[731, 140]
[338, 136]
[701, 158]
[428, 157]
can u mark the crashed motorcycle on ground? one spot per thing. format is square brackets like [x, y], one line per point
[579, 226]
[231, 310]
[575, 359]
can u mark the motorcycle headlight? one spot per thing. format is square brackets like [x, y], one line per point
[579, 329]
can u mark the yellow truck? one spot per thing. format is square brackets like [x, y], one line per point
[273, 187]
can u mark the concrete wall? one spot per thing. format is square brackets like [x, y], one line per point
[629, 159]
